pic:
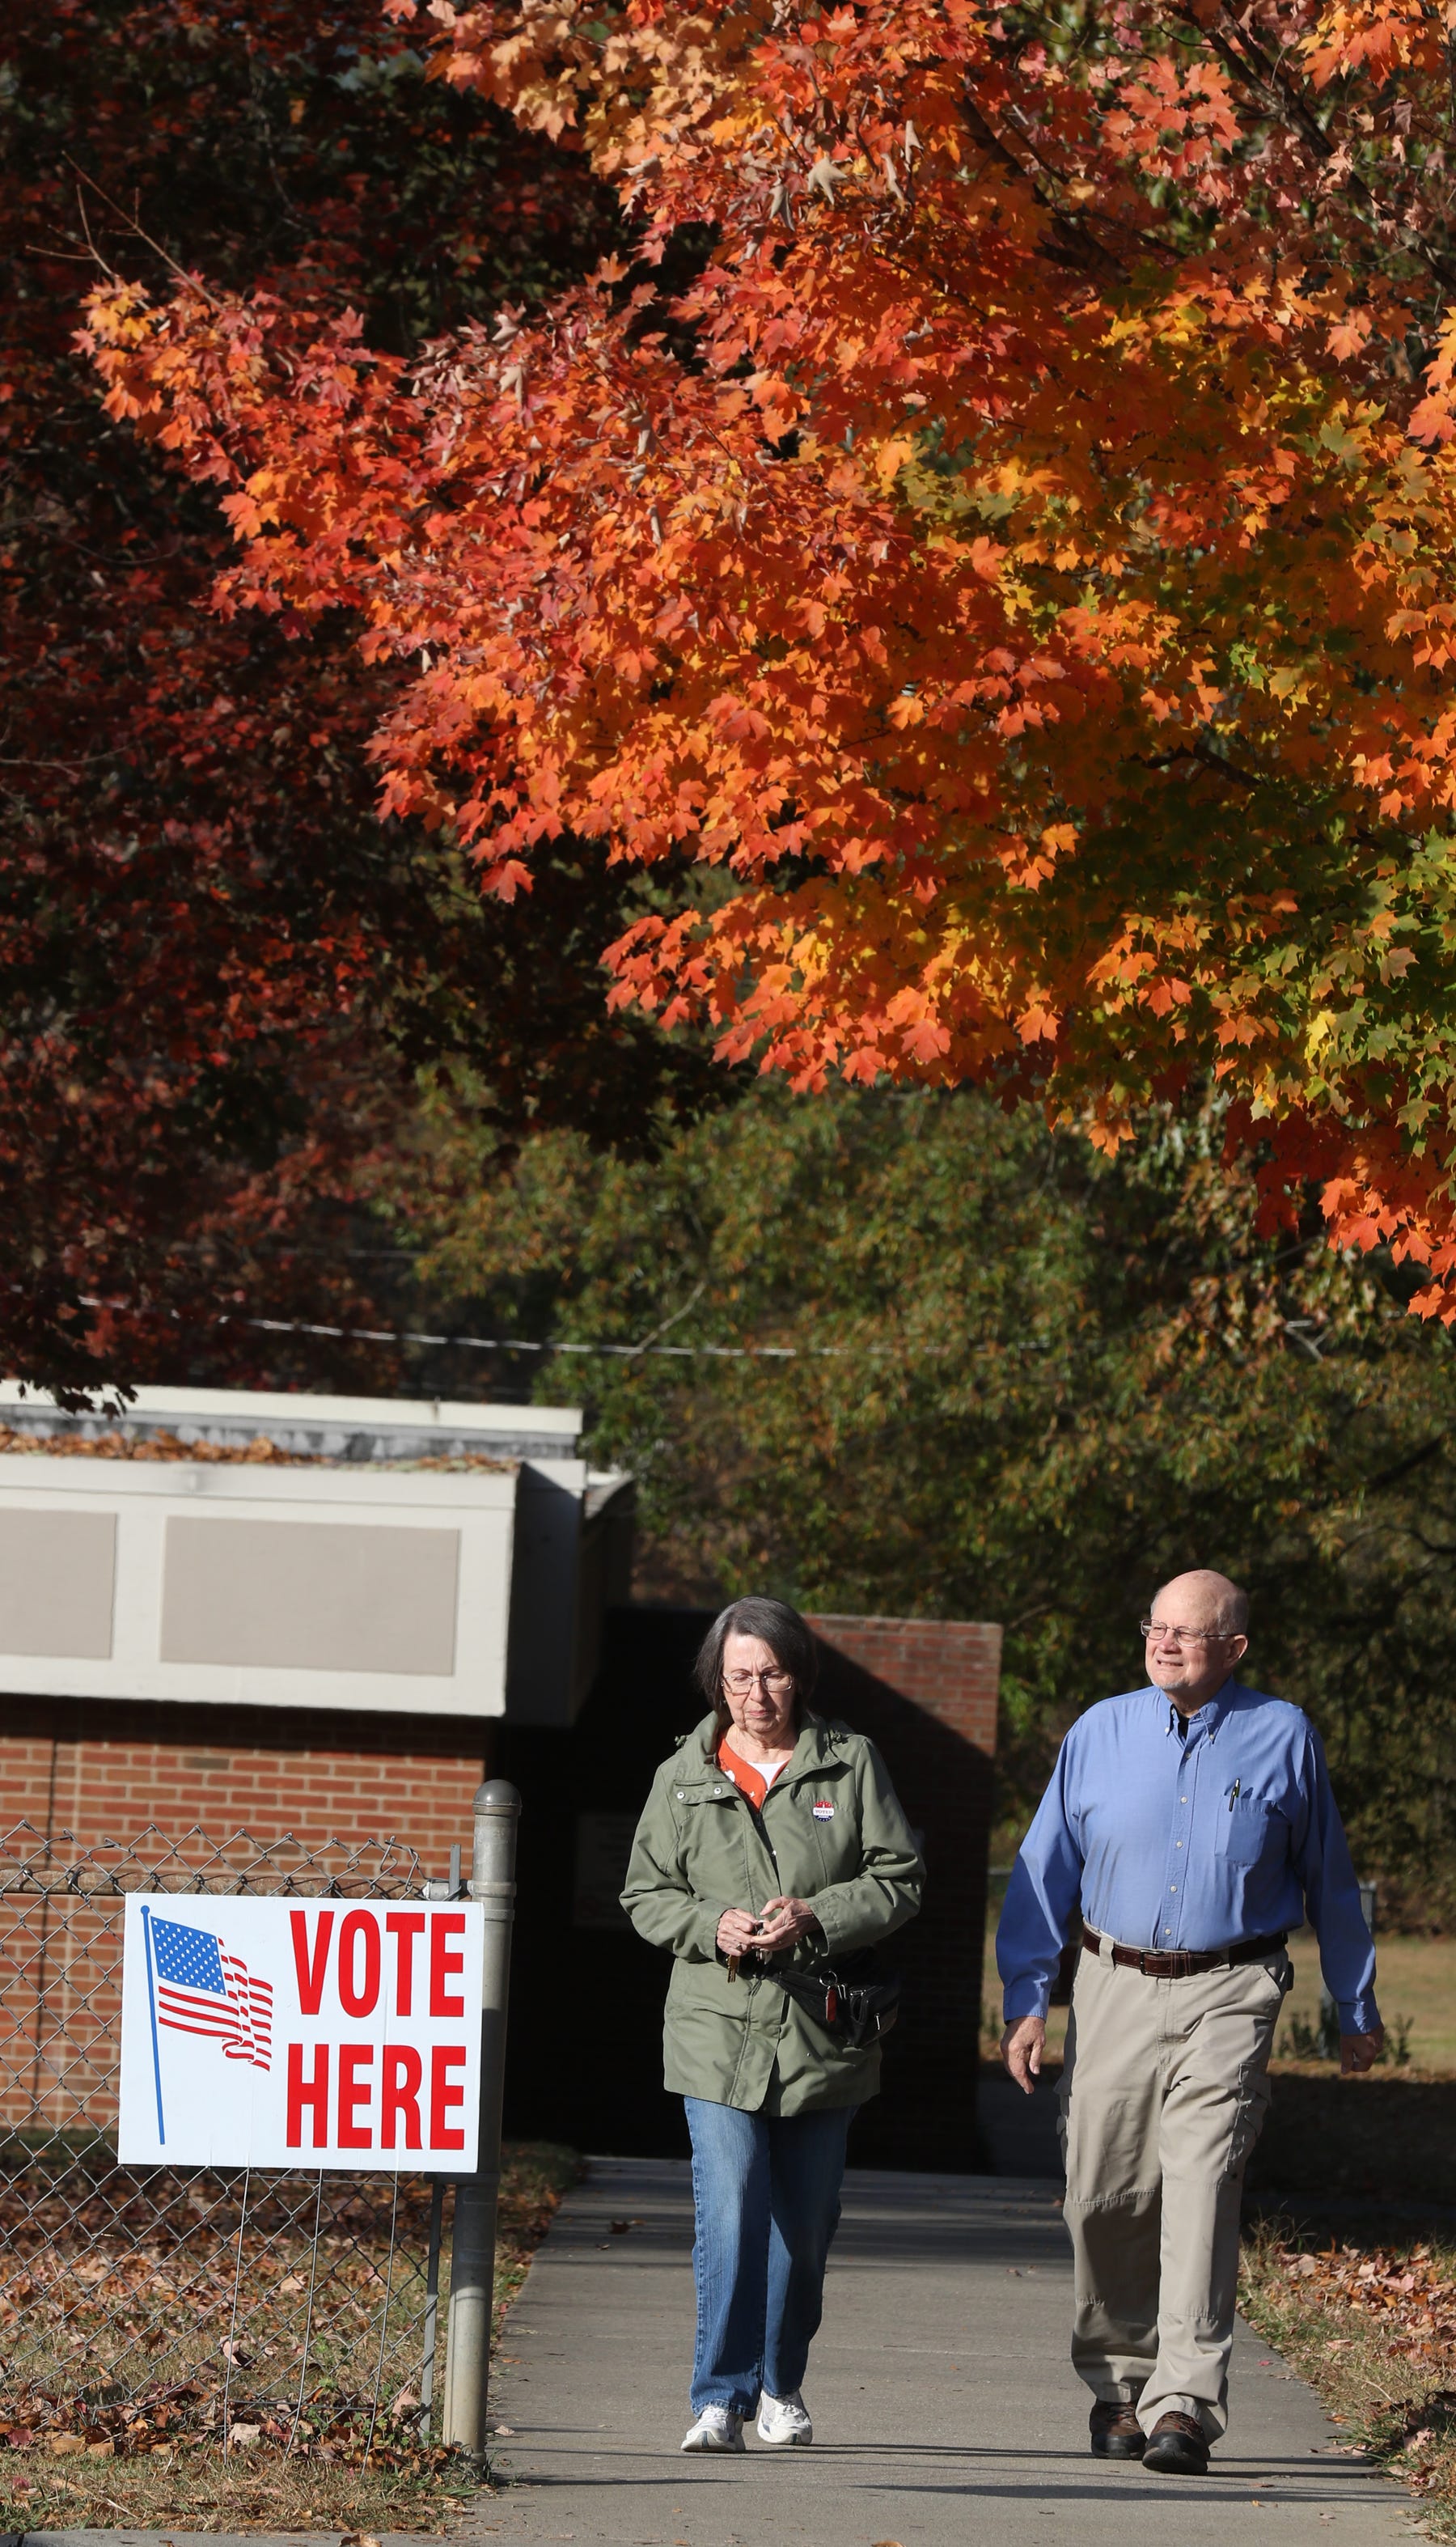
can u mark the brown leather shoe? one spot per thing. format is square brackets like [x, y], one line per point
[1176, 2446]
[1116, 2431]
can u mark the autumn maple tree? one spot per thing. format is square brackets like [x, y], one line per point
[984, 548]
[219, 970]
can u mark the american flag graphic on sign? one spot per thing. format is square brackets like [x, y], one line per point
[203, 1990]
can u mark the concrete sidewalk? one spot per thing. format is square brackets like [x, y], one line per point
[939, 2386]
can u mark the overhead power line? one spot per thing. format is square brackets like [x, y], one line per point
[623, 1353]
[1294, 1328]
[552, 1345]
[525, 1345]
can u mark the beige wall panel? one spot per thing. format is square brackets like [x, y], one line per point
[317, 1596]
[57, 1581]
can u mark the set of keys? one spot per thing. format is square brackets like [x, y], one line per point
[734, 1961]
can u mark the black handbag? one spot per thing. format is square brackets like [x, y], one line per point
[851, 2001]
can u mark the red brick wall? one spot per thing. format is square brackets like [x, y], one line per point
[925, 1692]
[949, 1667]
[107, 1772]
[94, 1768]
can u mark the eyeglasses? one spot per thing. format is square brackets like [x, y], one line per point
[775, 1682]
[1188, 1635]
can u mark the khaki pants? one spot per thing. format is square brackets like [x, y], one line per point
[1162, 2097]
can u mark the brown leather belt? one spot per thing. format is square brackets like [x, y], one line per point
[1181, 1967]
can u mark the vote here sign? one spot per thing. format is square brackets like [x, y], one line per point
[300, 2034]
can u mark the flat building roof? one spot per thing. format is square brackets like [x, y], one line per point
[322, 1427]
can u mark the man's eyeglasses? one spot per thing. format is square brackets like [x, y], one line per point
[1187, 1635]
[774, 1682]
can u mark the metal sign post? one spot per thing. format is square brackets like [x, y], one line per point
[472, 2255]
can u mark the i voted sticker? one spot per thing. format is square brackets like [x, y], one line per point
[823, 1812]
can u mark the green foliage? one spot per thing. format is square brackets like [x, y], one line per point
[1303, 2040]
[1027, 1386]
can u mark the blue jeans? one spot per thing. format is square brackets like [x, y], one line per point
[766, 2199]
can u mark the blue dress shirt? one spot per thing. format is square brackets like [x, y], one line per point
[1162, 1836]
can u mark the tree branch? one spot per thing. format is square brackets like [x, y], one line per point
[1246, 61]
[1079, 249]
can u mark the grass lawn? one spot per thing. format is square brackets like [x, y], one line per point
[1367, 2314]
[1373, 2329]
[1416, 1978]
[74, 2478]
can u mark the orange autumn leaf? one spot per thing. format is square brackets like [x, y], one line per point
[1003, 518]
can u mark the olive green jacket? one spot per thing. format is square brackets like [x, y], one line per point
[830, 1831]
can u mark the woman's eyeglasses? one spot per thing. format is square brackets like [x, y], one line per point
[739, 1683]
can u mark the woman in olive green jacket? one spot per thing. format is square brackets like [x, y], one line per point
[770, 1839]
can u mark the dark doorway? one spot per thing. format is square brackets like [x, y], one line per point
[586, 1993]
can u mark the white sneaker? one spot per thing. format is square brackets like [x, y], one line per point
[784, 2422]
[718, 2427]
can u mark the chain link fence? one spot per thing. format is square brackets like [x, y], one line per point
[163, 2302]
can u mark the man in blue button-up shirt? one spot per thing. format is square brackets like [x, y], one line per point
[1186, 1829]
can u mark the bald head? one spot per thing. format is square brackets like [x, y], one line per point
[1217, 1602]
[1197, 1638]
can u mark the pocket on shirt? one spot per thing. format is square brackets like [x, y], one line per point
[1244, 1831]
